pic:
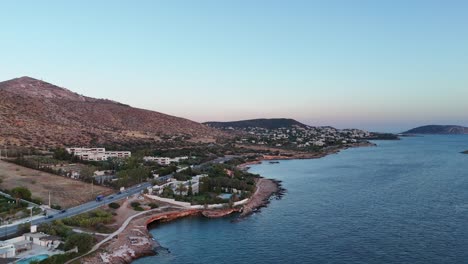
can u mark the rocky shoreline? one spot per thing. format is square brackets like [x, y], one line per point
[142, 244]
[135, 241]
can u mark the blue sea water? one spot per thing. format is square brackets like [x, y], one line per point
[400, 202]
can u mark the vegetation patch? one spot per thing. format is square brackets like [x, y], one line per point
[92, 220]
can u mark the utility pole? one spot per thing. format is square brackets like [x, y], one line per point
[49, 199]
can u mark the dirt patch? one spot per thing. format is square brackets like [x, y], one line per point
[64, 191]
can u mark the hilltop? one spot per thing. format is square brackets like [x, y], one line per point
[35, 113]
[272, 123]
[438, 129]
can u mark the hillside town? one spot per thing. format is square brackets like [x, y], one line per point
[300, 137]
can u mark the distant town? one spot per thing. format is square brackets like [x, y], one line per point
[298, 137]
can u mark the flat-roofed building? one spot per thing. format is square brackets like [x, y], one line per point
[97, 154]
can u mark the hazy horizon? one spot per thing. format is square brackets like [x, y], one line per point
[377, 66]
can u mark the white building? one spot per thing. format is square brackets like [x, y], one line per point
[97, 154]
[164, 160]
[7, 251]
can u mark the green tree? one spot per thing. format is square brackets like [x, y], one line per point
[83, 241]
[62, 154]
[21, 193]
[190, 190]
[167, 192]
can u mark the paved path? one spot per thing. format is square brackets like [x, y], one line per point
[122, 228]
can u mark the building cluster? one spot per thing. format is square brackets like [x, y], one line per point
[97, 154]
[301, 137]
[29, 242]
[180, 187]
[164, 160]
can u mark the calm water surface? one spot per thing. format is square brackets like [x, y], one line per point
[400, 202]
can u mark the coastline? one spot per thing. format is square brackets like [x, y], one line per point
[306, 155]
[142, 244]
[135, 241]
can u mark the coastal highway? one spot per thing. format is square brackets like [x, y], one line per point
[11, 229]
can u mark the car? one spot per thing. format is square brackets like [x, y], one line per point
[139, 185]
[110, 197]
[50, 216]
[63, 211]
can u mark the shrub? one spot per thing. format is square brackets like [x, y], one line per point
[153, 205]
[114, 205]
[56, 207]
[138, 208]
[83, 241]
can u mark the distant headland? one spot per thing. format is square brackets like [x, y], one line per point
[438, 129]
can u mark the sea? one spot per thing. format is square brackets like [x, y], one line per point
[403, 201]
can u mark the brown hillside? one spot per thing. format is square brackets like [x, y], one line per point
[39, 114]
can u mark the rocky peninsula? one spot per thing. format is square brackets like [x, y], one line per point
[134, 241]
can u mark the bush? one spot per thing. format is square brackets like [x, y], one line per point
[55, 228]
[114, 205]
[24, 228]
[83, 241]
[90, 219]
[56, 207]
[138, 208]
[153, 205]
[135, 204]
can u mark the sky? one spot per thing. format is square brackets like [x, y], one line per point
[376, 65]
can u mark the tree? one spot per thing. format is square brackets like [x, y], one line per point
[87, 173]
[24, 228]
[62, 154]
[83, 241]
[167, 192]
[190, 190]
[181, 188]
[21, 193]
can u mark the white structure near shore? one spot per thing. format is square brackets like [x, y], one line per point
[30, 244]
[163, 160]
[97, 154]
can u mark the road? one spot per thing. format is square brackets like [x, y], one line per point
[8, 230]
[11, 229]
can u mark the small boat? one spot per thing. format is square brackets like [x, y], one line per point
[274, 162]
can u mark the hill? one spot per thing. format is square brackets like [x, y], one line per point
[39, 114]
[438, 129]
[273, 123]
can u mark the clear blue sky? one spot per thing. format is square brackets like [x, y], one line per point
[378, 65]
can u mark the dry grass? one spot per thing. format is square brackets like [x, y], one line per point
[65, 192]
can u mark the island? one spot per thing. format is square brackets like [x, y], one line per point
[438, 129]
